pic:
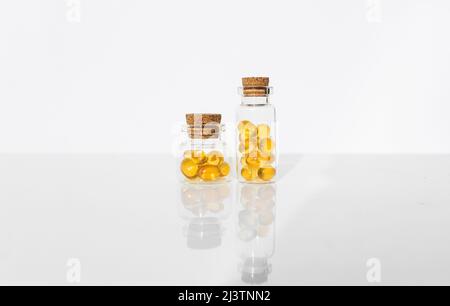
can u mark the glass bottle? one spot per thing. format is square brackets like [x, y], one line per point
[257, 158]
[203, 154]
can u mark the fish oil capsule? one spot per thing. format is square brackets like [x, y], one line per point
[189, 168]
[247, 128]
[248, 132]
[224, 169]
[253, 161]
[199, 157]
[265, 158]
[266, 145]
[209, 173]
[246, 136]
[244, 160]
[266, 173]
[248, 173]
[215, 158]
[242, 125]
[247, 146]
[263, 131]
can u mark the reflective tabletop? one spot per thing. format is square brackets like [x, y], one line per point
[127, 219]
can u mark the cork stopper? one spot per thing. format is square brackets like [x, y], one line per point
[255, 82]
[203, 126]
[255, 86]
[202, 119]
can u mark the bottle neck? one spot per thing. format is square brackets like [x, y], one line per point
[255, 101]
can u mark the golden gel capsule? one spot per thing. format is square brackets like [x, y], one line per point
[252, 161]
[209, 173]
[224, 169]
[215, 158]
[245, 138]
[266, 173]
[266, 145]
[265, 158]
[248, 131]
[244, 160]
[263, 131]
[247, 146]
[189, 168]
[248, 173]
[199, 157]
[242, 125]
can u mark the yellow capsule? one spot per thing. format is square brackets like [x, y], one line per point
[245, 124]
[264, 164]
[242, 124]
[266, 173]
[263, 131]
[189, 168]
[209, 173]
[266, 145]
[253, 161]
[247, 146]
[199, 157]
[224, 169]
[215, 158]
[248, 131]
[244, 160]
[246, 138]
[266, 158]
[249, 174]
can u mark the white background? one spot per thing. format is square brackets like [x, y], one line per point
[347, 76]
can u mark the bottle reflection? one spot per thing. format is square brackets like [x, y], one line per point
[204, 208]
[256, 231]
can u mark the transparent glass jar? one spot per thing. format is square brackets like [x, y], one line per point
[256, 146]
[204, 155]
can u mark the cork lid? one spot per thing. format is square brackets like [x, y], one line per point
[255, 87]
[203, 126]
[255, 82]
[202, 119]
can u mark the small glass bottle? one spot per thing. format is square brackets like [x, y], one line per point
[256, 133]
[203, 156]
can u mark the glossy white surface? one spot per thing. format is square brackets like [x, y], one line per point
[128, 221]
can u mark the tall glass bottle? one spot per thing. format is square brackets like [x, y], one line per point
[256, 132]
